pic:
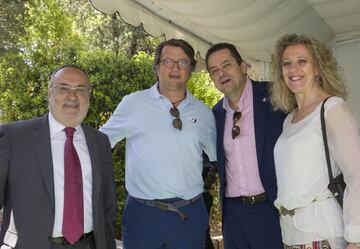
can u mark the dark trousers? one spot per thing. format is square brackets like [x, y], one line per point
[251, 226]
[146, 227]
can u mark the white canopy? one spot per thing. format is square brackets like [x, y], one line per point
[252, 25]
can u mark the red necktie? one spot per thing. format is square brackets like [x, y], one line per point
[73, 220]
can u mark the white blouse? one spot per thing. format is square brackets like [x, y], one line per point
[302, 176]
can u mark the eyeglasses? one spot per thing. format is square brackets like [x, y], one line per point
[177, 123]
[235, 131]
[63, 89]
[169, 63]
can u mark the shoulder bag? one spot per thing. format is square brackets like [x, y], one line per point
[337, 185]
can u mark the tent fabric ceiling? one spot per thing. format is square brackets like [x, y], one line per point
[252, 25]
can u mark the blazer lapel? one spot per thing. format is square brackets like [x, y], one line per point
[94, 157]
[260, 116]
[221, 132]
[220, 126]
[220, 113]
[43, 153]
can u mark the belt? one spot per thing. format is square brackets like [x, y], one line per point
[173, 206]
[291, 212]
[283, 211]
[250, 200]
[63, 241]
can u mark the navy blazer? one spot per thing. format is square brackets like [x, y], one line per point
[268, 126]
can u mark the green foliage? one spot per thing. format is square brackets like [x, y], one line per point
[57, 32]
[48, 41]
[49, 34]
[22, 93]
[11, 24]
[108, 31]
[202, 87]
[215, 214]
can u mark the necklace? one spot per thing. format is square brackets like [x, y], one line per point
[176, 102]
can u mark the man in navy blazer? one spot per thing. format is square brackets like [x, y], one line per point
[247, 129]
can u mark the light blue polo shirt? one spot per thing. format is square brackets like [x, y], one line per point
[161, 161]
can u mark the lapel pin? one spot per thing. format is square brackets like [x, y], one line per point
[264, 99]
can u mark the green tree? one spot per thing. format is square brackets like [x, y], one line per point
[11, 25]
[109, 31]
[48, 41]
[55, 32]
[202, 87]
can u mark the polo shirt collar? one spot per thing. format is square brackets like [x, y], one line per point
[154, 93]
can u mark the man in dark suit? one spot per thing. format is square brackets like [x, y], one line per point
[247, 129]
[58, 187]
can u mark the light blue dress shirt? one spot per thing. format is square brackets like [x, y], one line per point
[161, 161]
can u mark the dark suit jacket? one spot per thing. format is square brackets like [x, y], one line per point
[268, 126]
[27, 183]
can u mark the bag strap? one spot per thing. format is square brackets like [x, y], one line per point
[326, 147]
[11, 236]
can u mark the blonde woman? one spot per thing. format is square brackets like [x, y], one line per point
[304, 74]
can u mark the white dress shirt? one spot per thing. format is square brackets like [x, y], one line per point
[58, 137]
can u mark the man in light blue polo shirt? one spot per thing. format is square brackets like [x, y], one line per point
[166, 130]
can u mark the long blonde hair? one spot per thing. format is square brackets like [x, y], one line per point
[329, 78]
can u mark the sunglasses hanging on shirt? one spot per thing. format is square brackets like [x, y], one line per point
[177, 123]
[235, 131]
